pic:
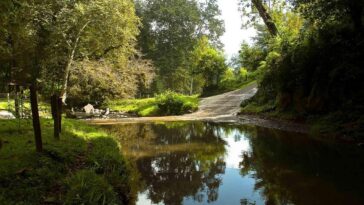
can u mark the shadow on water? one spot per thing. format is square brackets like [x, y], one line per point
[219, 163]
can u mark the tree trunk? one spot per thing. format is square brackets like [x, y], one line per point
[69, 64]
[35, 116]
[54, 108]
[17, 102]
[268, 21]
[59, 111]
[191, 88]
[8, 98]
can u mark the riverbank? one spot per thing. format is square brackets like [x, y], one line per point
[345, 127]
[84, 166]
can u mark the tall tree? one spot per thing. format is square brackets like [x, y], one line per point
[170, 30]
[254, 8]
[89, 30]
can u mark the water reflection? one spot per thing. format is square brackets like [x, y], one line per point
[294, 169]
[209, 163]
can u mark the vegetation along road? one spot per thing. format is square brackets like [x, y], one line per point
[216, 107]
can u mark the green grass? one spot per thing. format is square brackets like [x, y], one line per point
[84, 166]
[158, 106]
[44, 108]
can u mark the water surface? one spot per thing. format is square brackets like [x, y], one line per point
[194, 163]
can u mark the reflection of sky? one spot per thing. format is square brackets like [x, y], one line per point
[143, 199]
[233, 189]
[234, 186]
[237, 143]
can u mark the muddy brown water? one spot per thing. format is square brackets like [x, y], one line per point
[188, 163]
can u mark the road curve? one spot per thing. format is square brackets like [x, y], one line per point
[222, 106]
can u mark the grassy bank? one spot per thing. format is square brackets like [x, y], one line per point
[84, 167]
[168, 103]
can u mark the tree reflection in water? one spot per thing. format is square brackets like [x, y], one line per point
[294, 169]
[176, 160]
[179, 162]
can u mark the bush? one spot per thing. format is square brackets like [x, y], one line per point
[171, 103]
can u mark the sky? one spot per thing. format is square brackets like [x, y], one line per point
[234, 34]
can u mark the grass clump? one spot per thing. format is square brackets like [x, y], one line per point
[83, 167]
[86, 187]
[168, 103]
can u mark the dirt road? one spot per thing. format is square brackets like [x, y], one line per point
[216, 107]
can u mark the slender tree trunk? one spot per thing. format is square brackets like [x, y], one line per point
[69, 64]
[22, 103]
[36, 120]
[8, 98]
[191, 87]
[54, 108]
[59, 110]
[17, 102]
[268, 21]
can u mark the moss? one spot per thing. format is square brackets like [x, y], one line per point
[27, 177]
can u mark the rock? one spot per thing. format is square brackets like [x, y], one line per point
[89, 109]
[6, 115]
[107, 111]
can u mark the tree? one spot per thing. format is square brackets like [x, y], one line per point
[251, 56]
[323, 12]
[254, 8]
[171, 29]
[95, 82]
[88, 30]
[212, 65]
[208, 62]
[41, 41]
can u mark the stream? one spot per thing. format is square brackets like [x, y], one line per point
[195, 163]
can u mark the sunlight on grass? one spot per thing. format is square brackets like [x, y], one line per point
[28, 177]
[152, 106]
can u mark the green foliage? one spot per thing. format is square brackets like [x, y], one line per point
[53, 176]
[171, 103]
[95, 82]
[250, 56]
[42, 42]
[208, 62]
[168, 103]
[313, 68]
[171, 30]
[86, 187]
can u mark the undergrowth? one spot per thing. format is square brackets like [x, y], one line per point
[168, 103]
[83, 167]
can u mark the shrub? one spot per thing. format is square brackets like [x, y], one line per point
[171, 103]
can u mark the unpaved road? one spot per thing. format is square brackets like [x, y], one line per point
[224, 105]
[218, 107]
